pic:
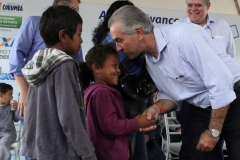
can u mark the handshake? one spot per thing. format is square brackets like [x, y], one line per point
[144, 123]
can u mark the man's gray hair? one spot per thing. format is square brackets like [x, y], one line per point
[205, 1]
[55, 2]
[130, 18]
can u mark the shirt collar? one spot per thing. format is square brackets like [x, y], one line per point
[209, 20]
[160, 42]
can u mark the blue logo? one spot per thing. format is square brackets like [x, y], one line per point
[6, 76]
[12, 7]
[6, 42]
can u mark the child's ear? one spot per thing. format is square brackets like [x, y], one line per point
[63, 36]
[1, 94]
[96, 68]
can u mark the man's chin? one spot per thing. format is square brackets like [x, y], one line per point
[130, 56]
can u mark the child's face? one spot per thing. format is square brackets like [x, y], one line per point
[7, 97]
[110, 72]
[74, 44]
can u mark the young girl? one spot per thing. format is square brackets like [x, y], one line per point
[108, 127]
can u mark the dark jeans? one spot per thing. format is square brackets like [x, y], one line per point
[154, 151]
[138, 145]
[199, 122]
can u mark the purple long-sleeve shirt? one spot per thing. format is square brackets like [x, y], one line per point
[108, 127]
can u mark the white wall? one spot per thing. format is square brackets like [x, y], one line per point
[218, 6]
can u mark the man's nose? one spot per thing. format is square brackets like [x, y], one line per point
[118, 47]
[194, 7]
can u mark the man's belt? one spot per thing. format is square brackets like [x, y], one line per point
[236, 85]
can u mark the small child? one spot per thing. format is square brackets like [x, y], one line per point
[7, 116]
[55, 120]
[107, 124]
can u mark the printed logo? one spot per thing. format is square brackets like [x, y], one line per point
[0, 5]
[235, 32]
[6, 76]
[11, 7]
[10, 21]
[6, 42]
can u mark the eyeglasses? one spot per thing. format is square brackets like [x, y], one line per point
[74, 8]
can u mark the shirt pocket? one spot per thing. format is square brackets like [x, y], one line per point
[220, 41]
[187, 78]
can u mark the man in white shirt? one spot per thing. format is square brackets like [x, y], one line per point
[186, 64]
[218, 29]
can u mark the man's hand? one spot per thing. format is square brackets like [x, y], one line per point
[153, 111]
[206, 142]
[150, 113]
[23, 87]
[143, 122]
[22, 103]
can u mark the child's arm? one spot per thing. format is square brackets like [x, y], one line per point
[107, 109]
[16, 116]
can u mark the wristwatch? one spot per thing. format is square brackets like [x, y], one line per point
[214, 132]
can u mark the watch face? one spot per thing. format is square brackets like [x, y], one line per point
[215, 133]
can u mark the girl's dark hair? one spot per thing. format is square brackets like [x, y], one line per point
[101, 31]
[96, 55]
[4, 87]
[55, 19]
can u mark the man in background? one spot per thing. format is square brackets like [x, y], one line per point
[219, 30]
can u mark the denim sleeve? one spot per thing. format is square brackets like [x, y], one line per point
[22, 45]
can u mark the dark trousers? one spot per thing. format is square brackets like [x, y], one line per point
[154, 151]
[199, 122]
[183, 118]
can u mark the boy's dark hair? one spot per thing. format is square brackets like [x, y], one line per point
[102, 30]
[4, 87]
[55, 19]
[97, 54]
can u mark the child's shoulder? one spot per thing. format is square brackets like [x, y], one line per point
[99, 89]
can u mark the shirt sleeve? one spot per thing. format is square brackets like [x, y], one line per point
[107, 115]
[22, 45]
[163, 95]
[230, 43]
[200, 52]
[69, 111]
[16, 116]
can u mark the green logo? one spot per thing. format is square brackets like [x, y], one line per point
[10, 21]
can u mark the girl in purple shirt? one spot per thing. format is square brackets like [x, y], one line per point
[108, 127]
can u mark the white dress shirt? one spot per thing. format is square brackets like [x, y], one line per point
[188, 67]
[219, 30]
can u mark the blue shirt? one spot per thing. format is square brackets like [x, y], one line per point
[135, 67]
[27, 42]
[188, 68]
[219, 30]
